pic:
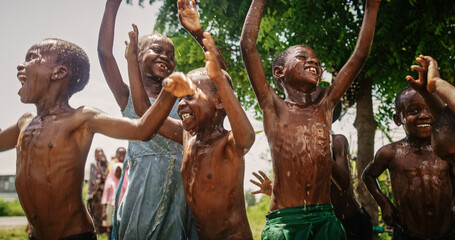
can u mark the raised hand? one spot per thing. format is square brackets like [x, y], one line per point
[131, 47]
[211, 57]
[433, 74]
[179, 85]
[265, 185]
[188, 15]
[421, 83]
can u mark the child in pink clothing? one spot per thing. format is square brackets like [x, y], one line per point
[108, 198]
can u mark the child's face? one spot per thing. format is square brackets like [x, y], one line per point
[301, 67]
[197, 110]
[35, 74]
[99, 155]
[157, 58]
[415, 115]
[121, 154]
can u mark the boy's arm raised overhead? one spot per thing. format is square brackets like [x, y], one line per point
[242, 132]
[9, 136]
[251, 57]
[353, 66]
[434, 103]
[189, 19]
[108, 63]
[171, 128]
[436, 84]
[369, 176]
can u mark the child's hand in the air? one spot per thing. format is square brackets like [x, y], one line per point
[433, 74]
[131, 47]
[211, 57]
[179, 85]
[421, 83]
[265, 185]
[188, 15]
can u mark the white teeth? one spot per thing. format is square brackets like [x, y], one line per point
[423, 125]
[163, 66]
[185, 116]
[311, 69]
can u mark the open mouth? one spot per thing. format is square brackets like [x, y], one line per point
[22, 78]
[163, 66]
[423, 125]
[312, 70]
[185, 116]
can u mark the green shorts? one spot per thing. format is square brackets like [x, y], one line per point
[315, 221]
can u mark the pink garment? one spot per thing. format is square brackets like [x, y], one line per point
[111, 185]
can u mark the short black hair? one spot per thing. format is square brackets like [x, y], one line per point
[144, 40]
[202, 72]
[71, 56]
[280, 60]
[399, 96]
[446, 118]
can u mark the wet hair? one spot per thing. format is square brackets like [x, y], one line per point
[71, 56]
[149, 38]
[446, 121]
[399, 96]
[203, 75]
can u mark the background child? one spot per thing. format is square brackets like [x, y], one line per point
[108, 199]
[421, 181]
[298, 128]
[213, 164]
[97, 178]
[52, 146]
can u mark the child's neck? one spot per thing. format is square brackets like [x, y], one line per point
[53, 103]
[211, 133]
[302, 97]
[152, 86]
[418, 142]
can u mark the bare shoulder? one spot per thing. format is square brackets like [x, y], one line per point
[25, 119]
[387, 153]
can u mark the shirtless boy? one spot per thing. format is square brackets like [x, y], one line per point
[421, 181]
[298, 128]
[52, 146]
[213, 158]
[440, 96]
[356, 221]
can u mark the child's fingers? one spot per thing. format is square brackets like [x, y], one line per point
[418, 68]
[422, 61]
[263, 175]
[136, 31]
[411, 81]
[258, 177]
[256, 192]
[255, 183]
[167, 83]
[194, 4]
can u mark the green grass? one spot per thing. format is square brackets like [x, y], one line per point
[16, 233]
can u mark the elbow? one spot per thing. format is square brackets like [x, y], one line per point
[148, 137]
[104, 53]
[249, 141]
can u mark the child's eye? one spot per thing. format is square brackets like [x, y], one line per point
[302, 57]
[413, 111]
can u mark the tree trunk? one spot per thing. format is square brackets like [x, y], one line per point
[366, 128]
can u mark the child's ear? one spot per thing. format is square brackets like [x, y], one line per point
[397, 119]
[219, 104]
[278, 72]
[59, 72]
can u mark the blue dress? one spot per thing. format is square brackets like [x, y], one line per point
[154, 204]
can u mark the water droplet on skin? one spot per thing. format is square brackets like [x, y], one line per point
[289, 173]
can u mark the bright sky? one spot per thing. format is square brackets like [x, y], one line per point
[25, 22]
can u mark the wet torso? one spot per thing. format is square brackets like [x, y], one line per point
[51, 155]
[422, 188]
[299, 139]
[212, 175]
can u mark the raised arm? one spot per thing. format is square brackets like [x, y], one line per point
[434, 103]
[142, 129]
[251, 57]
[369, 176]
[242, 132]
[9, 136]
[171, 128]
[439, 86]
[353, 66]
[106, 57]
[189, 19]
[340, 171]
